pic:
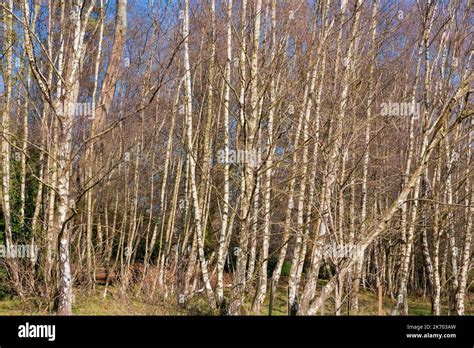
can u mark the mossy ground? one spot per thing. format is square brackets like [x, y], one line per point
[94, 303]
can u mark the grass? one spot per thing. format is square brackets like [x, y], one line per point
[9, 306]
[93, 303]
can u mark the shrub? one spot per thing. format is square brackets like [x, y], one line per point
[285, 269]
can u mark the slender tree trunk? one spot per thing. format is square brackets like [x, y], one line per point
[192, 161]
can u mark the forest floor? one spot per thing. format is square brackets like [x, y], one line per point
[93, 303]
